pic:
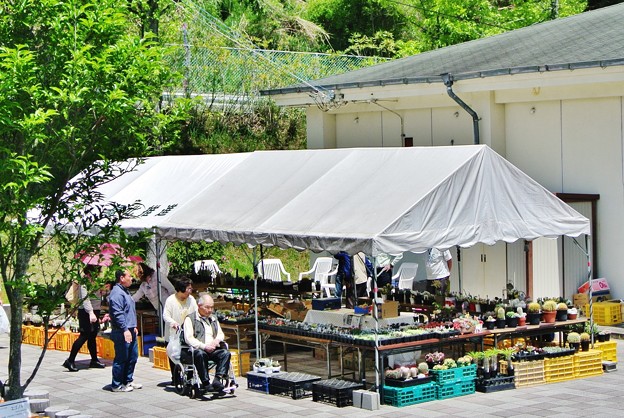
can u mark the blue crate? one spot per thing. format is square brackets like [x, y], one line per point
[409, 395]
[258, 381]
[457, 388]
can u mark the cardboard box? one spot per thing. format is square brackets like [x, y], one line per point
[389, 309]
[581, 299]
[599, 287]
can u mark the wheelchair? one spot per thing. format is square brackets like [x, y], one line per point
[186, 378]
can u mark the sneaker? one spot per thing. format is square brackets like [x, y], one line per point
[96, 364]
[134, 385]
[122, 388]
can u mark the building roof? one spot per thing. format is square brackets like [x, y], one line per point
[590, 39]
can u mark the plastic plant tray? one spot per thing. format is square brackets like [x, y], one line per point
[334, 391]
[296, 385]
[452, 375]
[404, 383]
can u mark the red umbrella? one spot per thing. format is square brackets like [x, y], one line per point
[104, 257]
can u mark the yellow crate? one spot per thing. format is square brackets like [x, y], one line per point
[161, 361]
[26, 333]
[52, 339]
[608, 349]
[36, 336]
[240, 369]
[558, 369]
[606, 313]
[587, 363]
[527, 373]
[63, 341]
[106, 349]
[73, 336]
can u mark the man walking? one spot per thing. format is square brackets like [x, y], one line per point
[122, 312]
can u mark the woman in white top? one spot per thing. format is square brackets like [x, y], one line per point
[177, 307]
[149, 286]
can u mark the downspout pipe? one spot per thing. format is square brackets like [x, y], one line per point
[447, 78]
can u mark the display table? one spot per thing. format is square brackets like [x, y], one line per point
[543, 328]
[244, 330]
[346, 318]
[290, 339]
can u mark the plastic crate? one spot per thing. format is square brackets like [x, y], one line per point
[399, 383]
[526, 373]
[36, 336]
[558, 369]
[606, 313]
[608, 349]
[409, 395]
[106, 349]
[258, 381]
[161, 361]
[457, 388]
[495, 384]
[588, 363]
[296, 385]
[335, 391]
[443, 377]
[63, 341]
[52, 339]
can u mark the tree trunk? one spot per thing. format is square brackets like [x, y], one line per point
[16, 298]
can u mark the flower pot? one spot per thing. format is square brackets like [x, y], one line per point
[534, 318]
[500, 323]
[522, 321]
[549, 316]
[561, 315]
[490, 324]
[601, 338]
[585, 345]
[512, 322]
[575, 346]
[572, 316]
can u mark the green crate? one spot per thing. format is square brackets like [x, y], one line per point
[409, 395]
[443, 377]
[451, 390]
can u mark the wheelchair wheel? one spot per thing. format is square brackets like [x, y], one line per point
[179, 377]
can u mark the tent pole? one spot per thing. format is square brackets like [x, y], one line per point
[158, 281]
[376, 319]
[591, 298]
[258, 339]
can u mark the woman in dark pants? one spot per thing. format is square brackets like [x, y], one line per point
[89, 326]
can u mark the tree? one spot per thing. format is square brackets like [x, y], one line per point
[77, 93]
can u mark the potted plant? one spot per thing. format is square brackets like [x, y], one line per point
[521, 316]
[585, 340]
[562, 312]
[549, 311]
[574, 340]
[572, 313]
[490, 322]
[500, 317]
[512, 319]
[508, 353]
[534, 315]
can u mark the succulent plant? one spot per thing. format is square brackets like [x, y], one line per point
[500, 313]
[423, 368]
[549, 306]
[562, 306]
[585, 336]
[534, 307]
[574, 337]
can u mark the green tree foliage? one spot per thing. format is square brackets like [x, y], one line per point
[77, 92]
[343, 19]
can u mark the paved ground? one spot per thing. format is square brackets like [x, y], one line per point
[88, 391]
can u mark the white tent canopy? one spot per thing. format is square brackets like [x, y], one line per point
[364, 199]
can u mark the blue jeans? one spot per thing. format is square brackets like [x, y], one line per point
[126, 356]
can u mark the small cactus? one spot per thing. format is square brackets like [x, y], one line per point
[500, 313]
[534, 307]
[423, 368]
[585, 336]
[574, 337]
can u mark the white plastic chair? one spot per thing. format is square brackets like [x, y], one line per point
[273, 270]
[322, 269]
[210, 265]
[405, 275]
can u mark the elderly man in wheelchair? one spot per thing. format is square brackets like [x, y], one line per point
[205, 346]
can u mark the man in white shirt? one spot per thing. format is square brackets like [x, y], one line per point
[439, 264]
[203, 332]
[385, 263]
